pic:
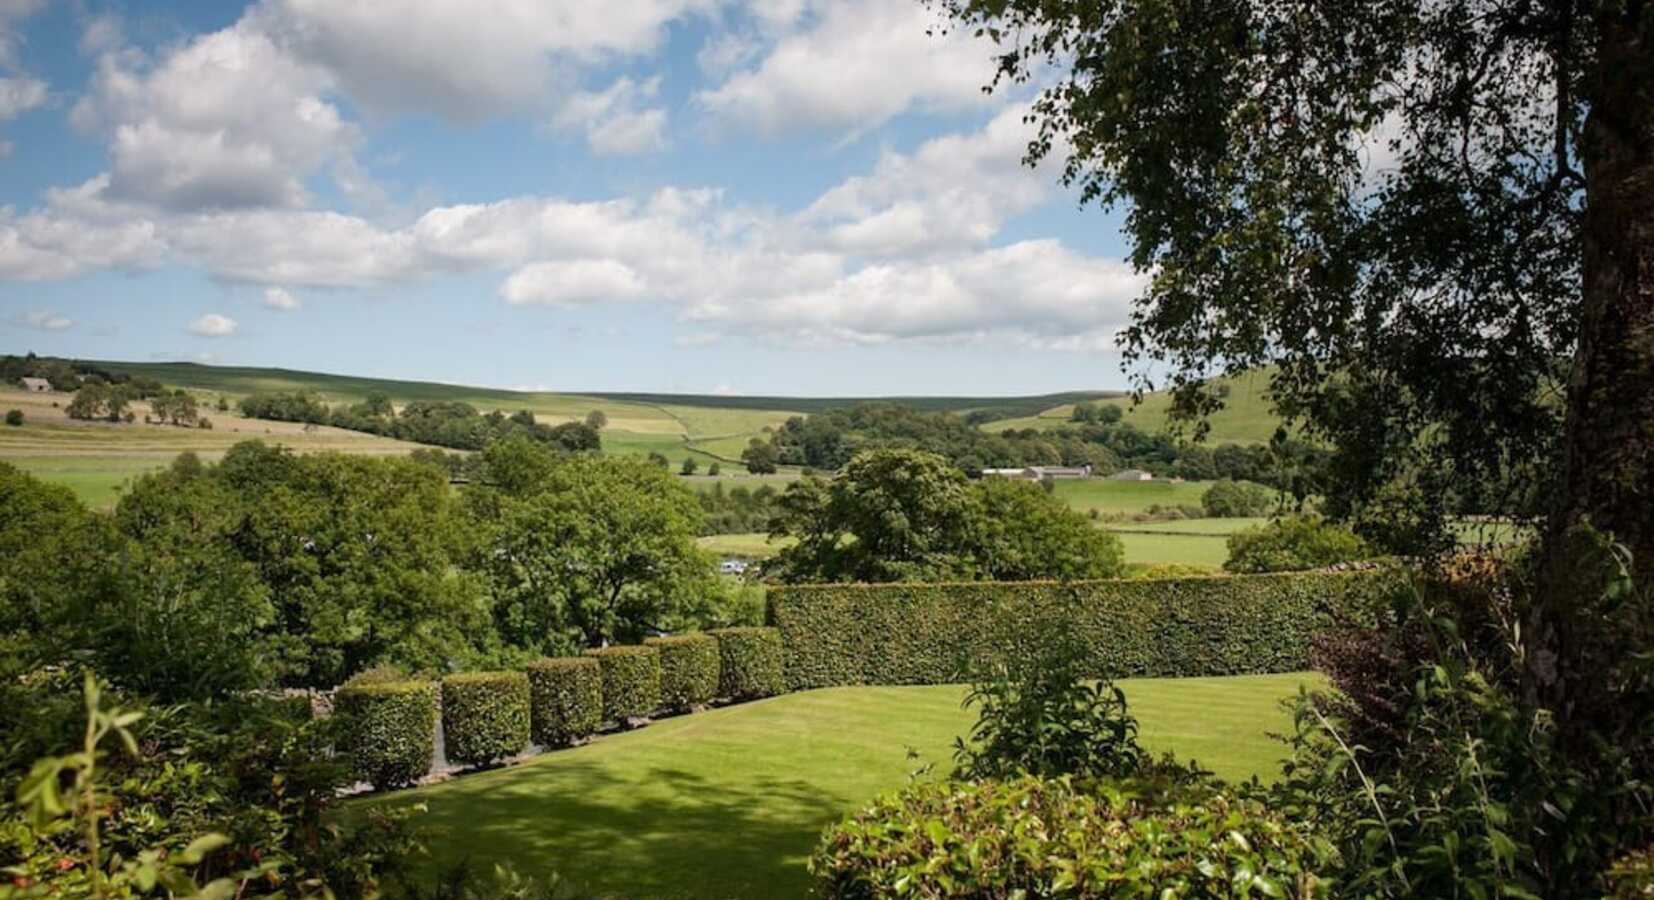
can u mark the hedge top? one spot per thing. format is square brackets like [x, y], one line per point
[677, 640]
[387, 688]
[622, 650]
[757, 630]
[563, 662]
[483, 677]
[1367, 567]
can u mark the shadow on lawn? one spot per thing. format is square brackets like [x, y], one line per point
[664, 832]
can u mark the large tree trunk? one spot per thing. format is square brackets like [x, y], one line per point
[1579, 641]
[1608, 477]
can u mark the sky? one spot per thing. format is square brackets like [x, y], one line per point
[808, 197]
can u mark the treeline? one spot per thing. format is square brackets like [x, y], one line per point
[71, 375]
[828, 440]
[442, 423]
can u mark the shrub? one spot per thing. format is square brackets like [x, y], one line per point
[566, 695]
[1234, 499]
[390, 729]
[1292, 544]
[1062, 837]
[934, 633]
[688, 669]
[485, 716]
[749, 662]
[631, 681]
[14, 417]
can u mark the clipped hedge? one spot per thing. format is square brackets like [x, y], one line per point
[933, 633]
[750, 660]
[688, 670]
[631, 681]
[1057, 837]
[566, 699]
[485, 716]
[389, 729]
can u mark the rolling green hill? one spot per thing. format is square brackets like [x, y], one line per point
[1245, 419]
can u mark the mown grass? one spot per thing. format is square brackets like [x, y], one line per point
[729, 803]
[1126, 497]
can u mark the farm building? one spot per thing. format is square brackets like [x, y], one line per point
[36, 385]
[1040, 473]
[1131, 475]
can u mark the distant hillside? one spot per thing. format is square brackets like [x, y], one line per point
[1245, 419]
[1007, 407]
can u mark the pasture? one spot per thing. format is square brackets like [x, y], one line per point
[730, 802]
[1126, 497]
[1245, 419]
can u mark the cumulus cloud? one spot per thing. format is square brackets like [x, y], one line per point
[43, 320]
[852, 64]
[229, 120]
[212, 325]
[281, 299]
[572, 283]
[19, 94]
[617, 119]
[465, 59]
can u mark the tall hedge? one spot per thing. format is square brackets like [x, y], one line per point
[688, 669]
[566, 698]
[485, 716]
[389, 729]
[750, 660]
[631, 681]
[932, 633]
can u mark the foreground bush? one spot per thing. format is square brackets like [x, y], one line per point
[390, 729]
[631, 681]
[688, 670]
[485, 716]
[935, 633]
[1061, 837]
[566, 697]
[1294, 544]
[750, 663]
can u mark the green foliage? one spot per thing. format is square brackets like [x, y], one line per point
[566, 693]
[689, 466]
[96, 400]
[1229, 499]
[631, 681]
[1632, 876]
[760, 458]
[390, 729]
[14, 417]
[938, 633]
[737, 510]
[1025, 534]
[485, 716]
[176, 407]
[444, 423]
[1065, 837]
[1293, 544]
[464, 881]
[582, 550]
[688, 670]
[1038, 714]
[750, 663]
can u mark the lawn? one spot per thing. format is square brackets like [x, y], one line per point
[756, 545]
[730, 802]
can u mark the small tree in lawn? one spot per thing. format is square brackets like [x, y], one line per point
[689, 466]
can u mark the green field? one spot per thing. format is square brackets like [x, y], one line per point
[756, 545]
[1245, 419]
[1126, 497]
[729, 803]
[1185, 549]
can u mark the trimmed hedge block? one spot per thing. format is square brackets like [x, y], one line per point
[937, 633]
[631, 681]
[485, 716]
[390, 729]
[688, 669]
[566, 696]
[750, 661]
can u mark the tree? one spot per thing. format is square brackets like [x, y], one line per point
[588, 551]
[597, 420]
[1025, 534]
[714, 469]
[1293, 543]
[689, 466]
[1234, 499]
[14, 417]
[760, 458]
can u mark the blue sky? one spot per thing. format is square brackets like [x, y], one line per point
[776, 197]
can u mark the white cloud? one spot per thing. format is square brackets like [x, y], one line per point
[19, 94]
[12, 12]
[281, 298]
[573, 283]
[466, 59]
[229, 120]
[212, 325]
[854, 64]
[43, 320]
[615, 120]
